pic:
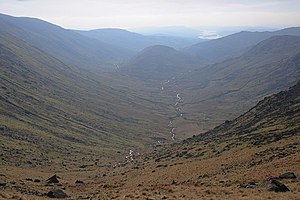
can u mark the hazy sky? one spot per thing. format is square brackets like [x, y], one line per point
[90, 14]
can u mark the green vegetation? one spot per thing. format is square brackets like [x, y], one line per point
[50, 108]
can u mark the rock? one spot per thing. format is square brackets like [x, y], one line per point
[2, 184]
[53, 179]
[248, 185]
[57, 194]
[37, 180]
[272, 184]
[79, 182]
[287, 175]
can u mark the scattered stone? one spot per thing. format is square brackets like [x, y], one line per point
[2, 184]
[287, 175]
[57, 194]
[272, 184]
[53, 179]
[250, 185]
[37, 180]
[79, 182]
[28, 179]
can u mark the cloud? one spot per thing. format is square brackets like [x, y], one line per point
[87, 14]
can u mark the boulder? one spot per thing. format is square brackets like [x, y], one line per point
[271, 184]
[59, 194]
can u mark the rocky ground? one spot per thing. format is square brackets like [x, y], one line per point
[240, 173]
[255, 156]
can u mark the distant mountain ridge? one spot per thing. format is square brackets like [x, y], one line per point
[136, 42]
[234, 45]
[66, 45]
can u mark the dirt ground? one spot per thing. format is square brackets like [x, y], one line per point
[215, 177]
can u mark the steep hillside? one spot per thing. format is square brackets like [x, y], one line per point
[274, 118]
[159, 62]
[67, 45]
[234, 45]
[223, 91]
[248, 157]
[255, 156]
[136, 42]
[50, 111]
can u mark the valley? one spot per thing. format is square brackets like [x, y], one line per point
[112, 114]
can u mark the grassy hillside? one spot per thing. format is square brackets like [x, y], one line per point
[225, 90]
[274, 118]
[70, 47]
[160, 63]
[235, 160]
[51, 110]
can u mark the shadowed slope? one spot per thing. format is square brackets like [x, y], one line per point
[234, 45]
[67, 45]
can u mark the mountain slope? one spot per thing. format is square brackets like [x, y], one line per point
[234, 45]
[160, 63]
[236, 84]
[67, 45]
[238, 159]
[50, 110]
[274, 118]
[136, 42]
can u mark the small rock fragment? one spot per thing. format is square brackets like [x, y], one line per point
[287, 175]
[250, 185]
[79, 182]
[53, 179]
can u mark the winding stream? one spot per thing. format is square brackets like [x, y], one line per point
[177, 109]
